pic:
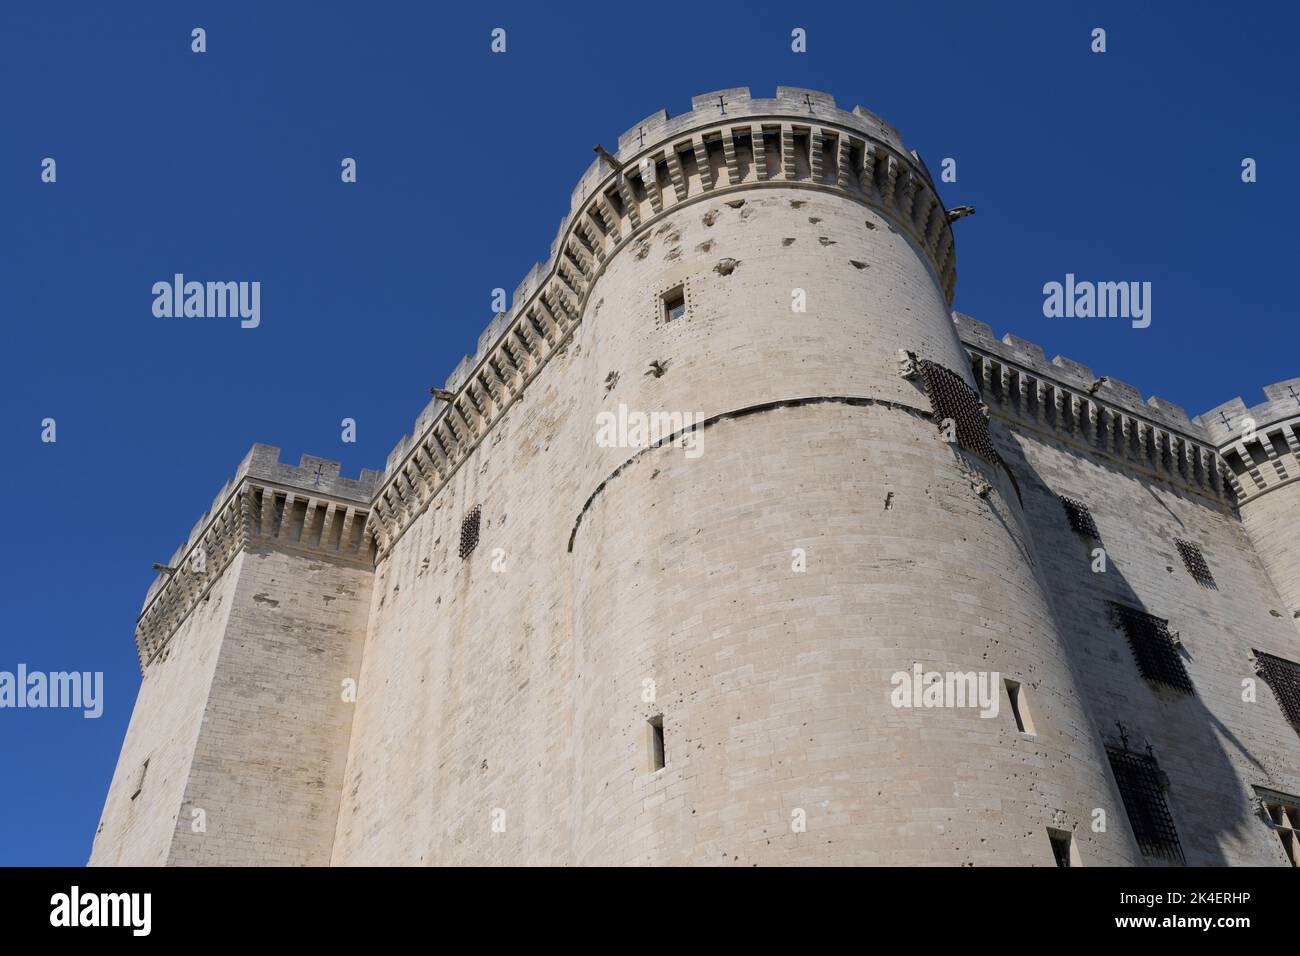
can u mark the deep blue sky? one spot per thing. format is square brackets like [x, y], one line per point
[226, 166]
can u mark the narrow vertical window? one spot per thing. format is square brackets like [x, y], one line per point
[1019, 707]
[1063, 849]
[139, 779]
[1281, 818]
[656, 736]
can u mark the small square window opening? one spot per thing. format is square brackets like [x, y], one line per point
[675, 304]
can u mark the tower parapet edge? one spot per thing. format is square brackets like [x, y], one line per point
[728, 141]
[1261, 444]
[1261, 448]
[1107, 416]
[308, 507]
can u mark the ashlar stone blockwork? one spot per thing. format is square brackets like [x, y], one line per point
[518, 644]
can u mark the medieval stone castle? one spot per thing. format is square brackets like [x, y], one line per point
[518, 644]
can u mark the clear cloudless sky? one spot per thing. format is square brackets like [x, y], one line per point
[225, 166]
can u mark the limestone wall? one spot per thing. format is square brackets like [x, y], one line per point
[1144, 495]
[517, 696]
[751, 594]
[268, 763]
[1213, 745]
[138, 829]
[245, 642]
[465, 696]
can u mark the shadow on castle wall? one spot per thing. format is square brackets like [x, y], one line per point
[1207, 798]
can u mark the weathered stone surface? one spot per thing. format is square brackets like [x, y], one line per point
[754, 592]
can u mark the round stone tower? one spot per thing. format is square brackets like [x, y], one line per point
[754, 605]
[707, 555]
[1261, 446]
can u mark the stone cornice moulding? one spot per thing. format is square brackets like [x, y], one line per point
[1054, 400]
[1270, 457]
[259, 507]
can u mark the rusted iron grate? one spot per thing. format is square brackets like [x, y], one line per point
[952, 399]
[1142, 788]
[1080, 518]
[1153, 647]
[469, 532]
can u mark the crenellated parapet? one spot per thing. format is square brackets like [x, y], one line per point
[1261, 444]
[308, 508]
[1106, 416]
[729, 141]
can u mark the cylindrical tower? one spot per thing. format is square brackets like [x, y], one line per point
[1261, 446]
[750, 610]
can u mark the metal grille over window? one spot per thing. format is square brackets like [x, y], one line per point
[1153, 646]
[1080, 518]
[1283, 676]
[1142, 788]
[1194, 561]
[469, 532]
[951, 398]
